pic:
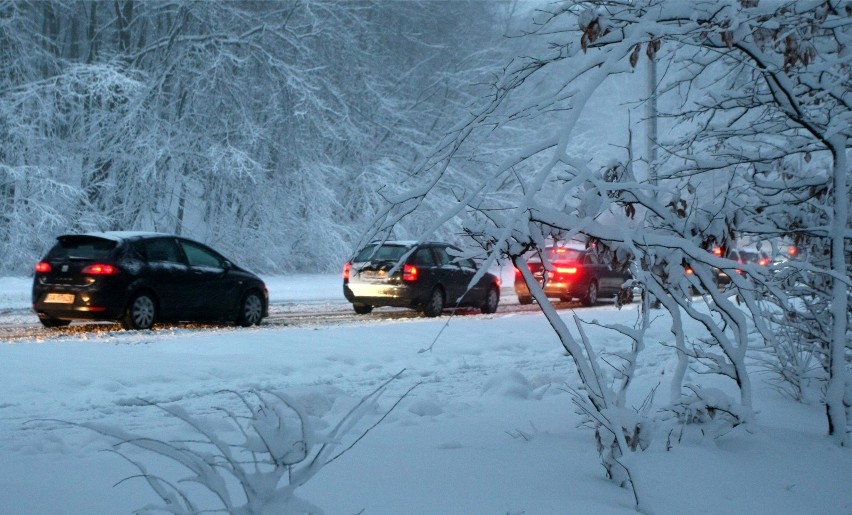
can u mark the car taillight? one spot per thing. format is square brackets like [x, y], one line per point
[409, 273]
[99, 269]
[43, 267]
[792, 251]
[689, 271]
[566, 269]
[763, 261]
[717, 251]
[346, 269]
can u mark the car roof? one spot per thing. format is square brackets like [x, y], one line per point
[554, 249]
[550, 250]
[126, 235]
[409, 243]
[117, 235]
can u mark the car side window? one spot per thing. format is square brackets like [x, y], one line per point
[199, 256]
[588, 259]
[161, 250]
[468, 263]
[443, 256]
[456, 258]
[423, 257]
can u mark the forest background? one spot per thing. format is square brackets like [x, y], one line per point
[270, 130]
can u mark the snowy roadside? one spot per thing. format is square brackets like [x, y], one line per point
[490, 427]
[15, 293]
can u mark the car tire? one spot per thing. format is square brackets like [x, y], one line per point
[524, 301]
[362, 309]
[591, 297]
[141, 312]
[435, 305]
[53, 322]
[492, 299]
[251, 310]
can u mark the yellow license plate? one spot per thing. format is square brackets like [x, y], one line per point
[59, 298]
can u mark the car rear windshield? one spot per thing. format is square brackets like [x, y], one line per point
[382, 253]
[749, 257]
[82, 247]
[563, 254]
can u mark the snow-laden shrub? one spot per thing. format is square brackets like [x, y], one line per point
[250, 465]
[711, 408]
[796, 360]
[637, 430]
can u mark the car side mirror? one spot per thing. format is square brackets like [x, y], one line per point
[227, 265]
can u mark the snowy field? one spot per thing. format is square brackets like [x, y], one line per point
[489, 427]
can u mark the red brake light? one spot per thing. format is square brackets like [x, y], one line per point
[42, 267]
[792, 251]
[717, 251]
[409, 273]
[763, 261]
[566, 269]
[346, 268]
[689, 271]
[99, 269]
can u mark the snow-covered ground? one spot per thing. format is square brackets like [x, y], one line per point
[489, 428]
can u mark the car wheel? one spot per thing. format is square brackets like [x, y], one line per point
[591, 297]
[141, 312]
[435, 304]
[251, 310]
[492, 298]
[524, 300]
[53, 322]
[362, 309]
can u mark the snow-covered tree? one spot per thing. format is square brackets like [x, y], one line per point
[742, 86]
[263, 128]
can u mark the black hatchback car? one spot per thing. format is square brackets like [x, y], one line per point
[424, 276]
[139, 278]
[573, 273]
[742, 257]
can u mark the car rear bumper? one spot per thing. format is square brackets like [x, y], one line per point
[553, 289]
[381, 294]
[87, 305]
[76, 313]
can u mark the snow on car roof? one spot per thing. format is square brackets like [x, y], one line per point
[406, 243]
[122, 235]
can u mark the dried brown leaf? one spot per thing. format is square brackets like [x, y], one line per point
[634, 55]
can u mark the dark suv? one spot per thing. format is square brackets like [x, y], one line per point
[572, 273]
[138, 279]
[423, 276]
